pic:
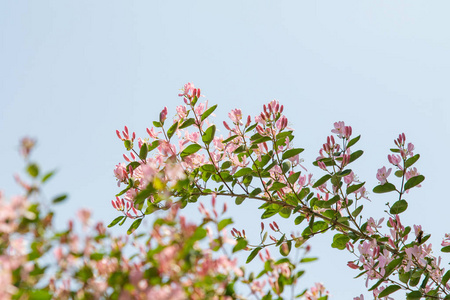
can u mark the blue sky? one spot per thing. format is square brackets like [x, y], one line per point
[71, 73]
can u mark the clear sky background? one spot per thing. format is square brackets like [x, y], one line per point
[72, 72]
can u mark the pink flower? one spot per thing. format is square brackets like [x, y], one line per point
[316, 292]
[446, 240]
[282, 123]
[151, 132]
[395, 159]
[383, 174]
[412, 172]
[200, 108]
[26, 145]
[372, 225]
[349, 178]
[410, 149]
[84, 215]
[181, 111]
[235, 116]
[163, 115]
[187, 90]
[339, 128]
[121, 173]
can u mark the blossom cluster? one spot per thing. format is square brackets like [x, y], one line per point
[183, 159]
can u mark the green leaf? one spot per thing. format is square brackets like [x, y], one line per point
[224, 223]
[321, 181]
[251, 127]
[208, 112]
[354, 187]
[355, 155]
[241, 244]
[446, 249]
[269, 213]
[242, 172]
[353, 141]
[399, 173]
[208, 168]
[123, 191]
[144, 151]
[194, 100]
[208, 136]
[389, 290]
[308, 259]
[333, 200]
[240, 149]
[264, 160]
[376, 284]
[128, 144]
[115, 221]
[410, 161]
[277, 186]
[60, 198]
[404, 277]
[285, 166]
[415, 279]
[445, 278]
[199, 234]
[33, 170]
[229, 139]
[153, 145]
[39, 295]
[399, 207]
[285, 212]
[96, 256]
[253, 254]
[144, 194]
[424, 282]
[327, 161]
[344, 173]
[187, 123]
[47, 176]
[172, 130]
[299, 219]
[356, 212]
[261, 140]
[392, 266]
[283, 250]
[134, 226]
[294, 177]
[281, 240]
[319, 226]
[157, 124]
[415, 295]
[226, 165]
[123, 221]
[303, 193]
[239, 200]
[385, 188]
[255, 192]
[292, 152]
[340, 241]
[191, 149]
[413, 181]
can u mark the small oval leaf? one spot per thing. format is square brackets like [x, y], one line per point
[191, 149]
[399, 207]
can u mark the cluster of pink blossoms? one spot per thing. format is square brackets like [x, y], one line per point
[15, 253]
[166, 166]
[261, 148]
